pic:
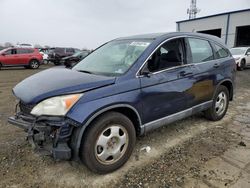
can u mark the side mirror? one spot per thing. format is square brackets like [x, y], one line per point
[248, 53]
[3, 54]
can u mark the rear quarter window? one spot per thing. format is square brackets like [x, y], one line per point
[30, 51]
[220, 52]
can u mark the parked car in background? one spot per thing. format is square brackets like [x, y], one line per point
[45, 55]
[241, 56]
[125, 88]
[70, 61]
[26, 57]
[57, 54]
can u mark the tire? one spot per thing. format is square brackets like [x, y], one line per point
[242, 65]
[45, 62]
[34, 64]
[1, 66]
[219, 106]
[96, 147]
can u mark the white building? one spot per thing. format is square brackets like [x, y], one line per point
[232, 27]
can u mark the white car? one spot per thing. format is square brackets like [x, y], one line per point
[45, 57]
[241, 56]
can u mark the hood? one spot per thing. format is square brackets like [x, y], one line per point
[58, 81]
[237, 56]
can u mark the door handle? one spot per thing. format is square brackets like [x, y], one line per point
[216, 65]
[184, 73]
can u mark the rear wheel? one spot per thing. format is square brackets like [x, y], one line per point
[220, 104]
[34, 64]
[242, 65]
[108, 143]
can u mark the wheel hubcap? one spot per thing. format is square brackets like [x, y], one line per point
[221, 103]
[111, 144]
[34, 64]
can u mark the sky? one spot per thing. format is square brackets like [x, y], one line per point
[90, 23]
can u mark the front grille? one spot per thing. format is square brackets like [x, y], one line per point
[25, 108]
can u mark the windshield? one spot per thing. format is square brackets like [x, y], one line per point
[238, 51]
[113, 58]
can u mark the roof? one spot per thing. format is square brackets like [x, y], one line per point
[143, 36]
[221, 14]
[164, 36]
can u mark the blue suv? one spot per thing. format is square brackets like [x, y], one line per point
[125, 88]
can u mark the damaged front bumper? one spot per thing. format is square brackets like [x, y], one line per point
[47, 133]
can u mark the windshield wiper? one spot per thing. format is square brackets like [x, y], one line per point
[84, 71]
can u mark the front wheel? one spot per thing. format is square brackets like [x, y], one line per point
[34, 64]
[242, 65]
[219, 106]
[108, 143]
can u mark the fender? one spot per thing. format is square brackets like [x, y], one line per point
[78, 133]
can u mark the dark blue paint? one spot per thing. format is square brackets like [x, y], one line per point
[153, 97]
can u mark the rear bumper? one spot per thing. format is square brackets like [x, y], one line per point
[51, 134]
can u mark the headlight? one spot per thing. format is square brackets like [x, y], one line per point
[57, 106]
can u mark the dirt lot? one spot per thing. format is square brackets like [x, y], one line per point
[190, 153]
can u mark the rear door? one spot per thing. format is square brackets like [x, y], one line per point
[22, 56]
[206, 69]
[165, 88]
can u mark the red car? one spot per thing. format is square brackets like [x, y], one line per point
[27, 57]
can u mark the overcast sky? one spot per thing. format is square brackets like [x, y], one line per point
[89, 23]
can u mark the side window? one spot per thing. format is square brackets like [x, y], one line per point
[248, 51]
[21, 51]
[69, 50]
[29, 51]
[170, 54]
[220, 52]
[7, 52]
[13, 51]
[201, 50]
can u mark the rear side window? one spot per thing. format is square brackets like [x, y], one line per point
[24, 51]
[70, 50]
[59, 50]
[201, 50]
[220, 52]
[21, 51]
[29, 51]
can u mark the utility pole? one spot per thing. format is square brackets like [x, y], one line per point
[193, 10]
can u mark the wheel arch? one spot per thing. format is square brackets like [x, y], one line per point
[34, 59]
[125, 109]
[229, 85]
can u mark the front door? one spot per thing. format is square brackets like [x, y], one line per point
[165, 86]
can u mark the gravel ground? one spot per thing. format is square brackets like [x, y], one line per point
[178, 151]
